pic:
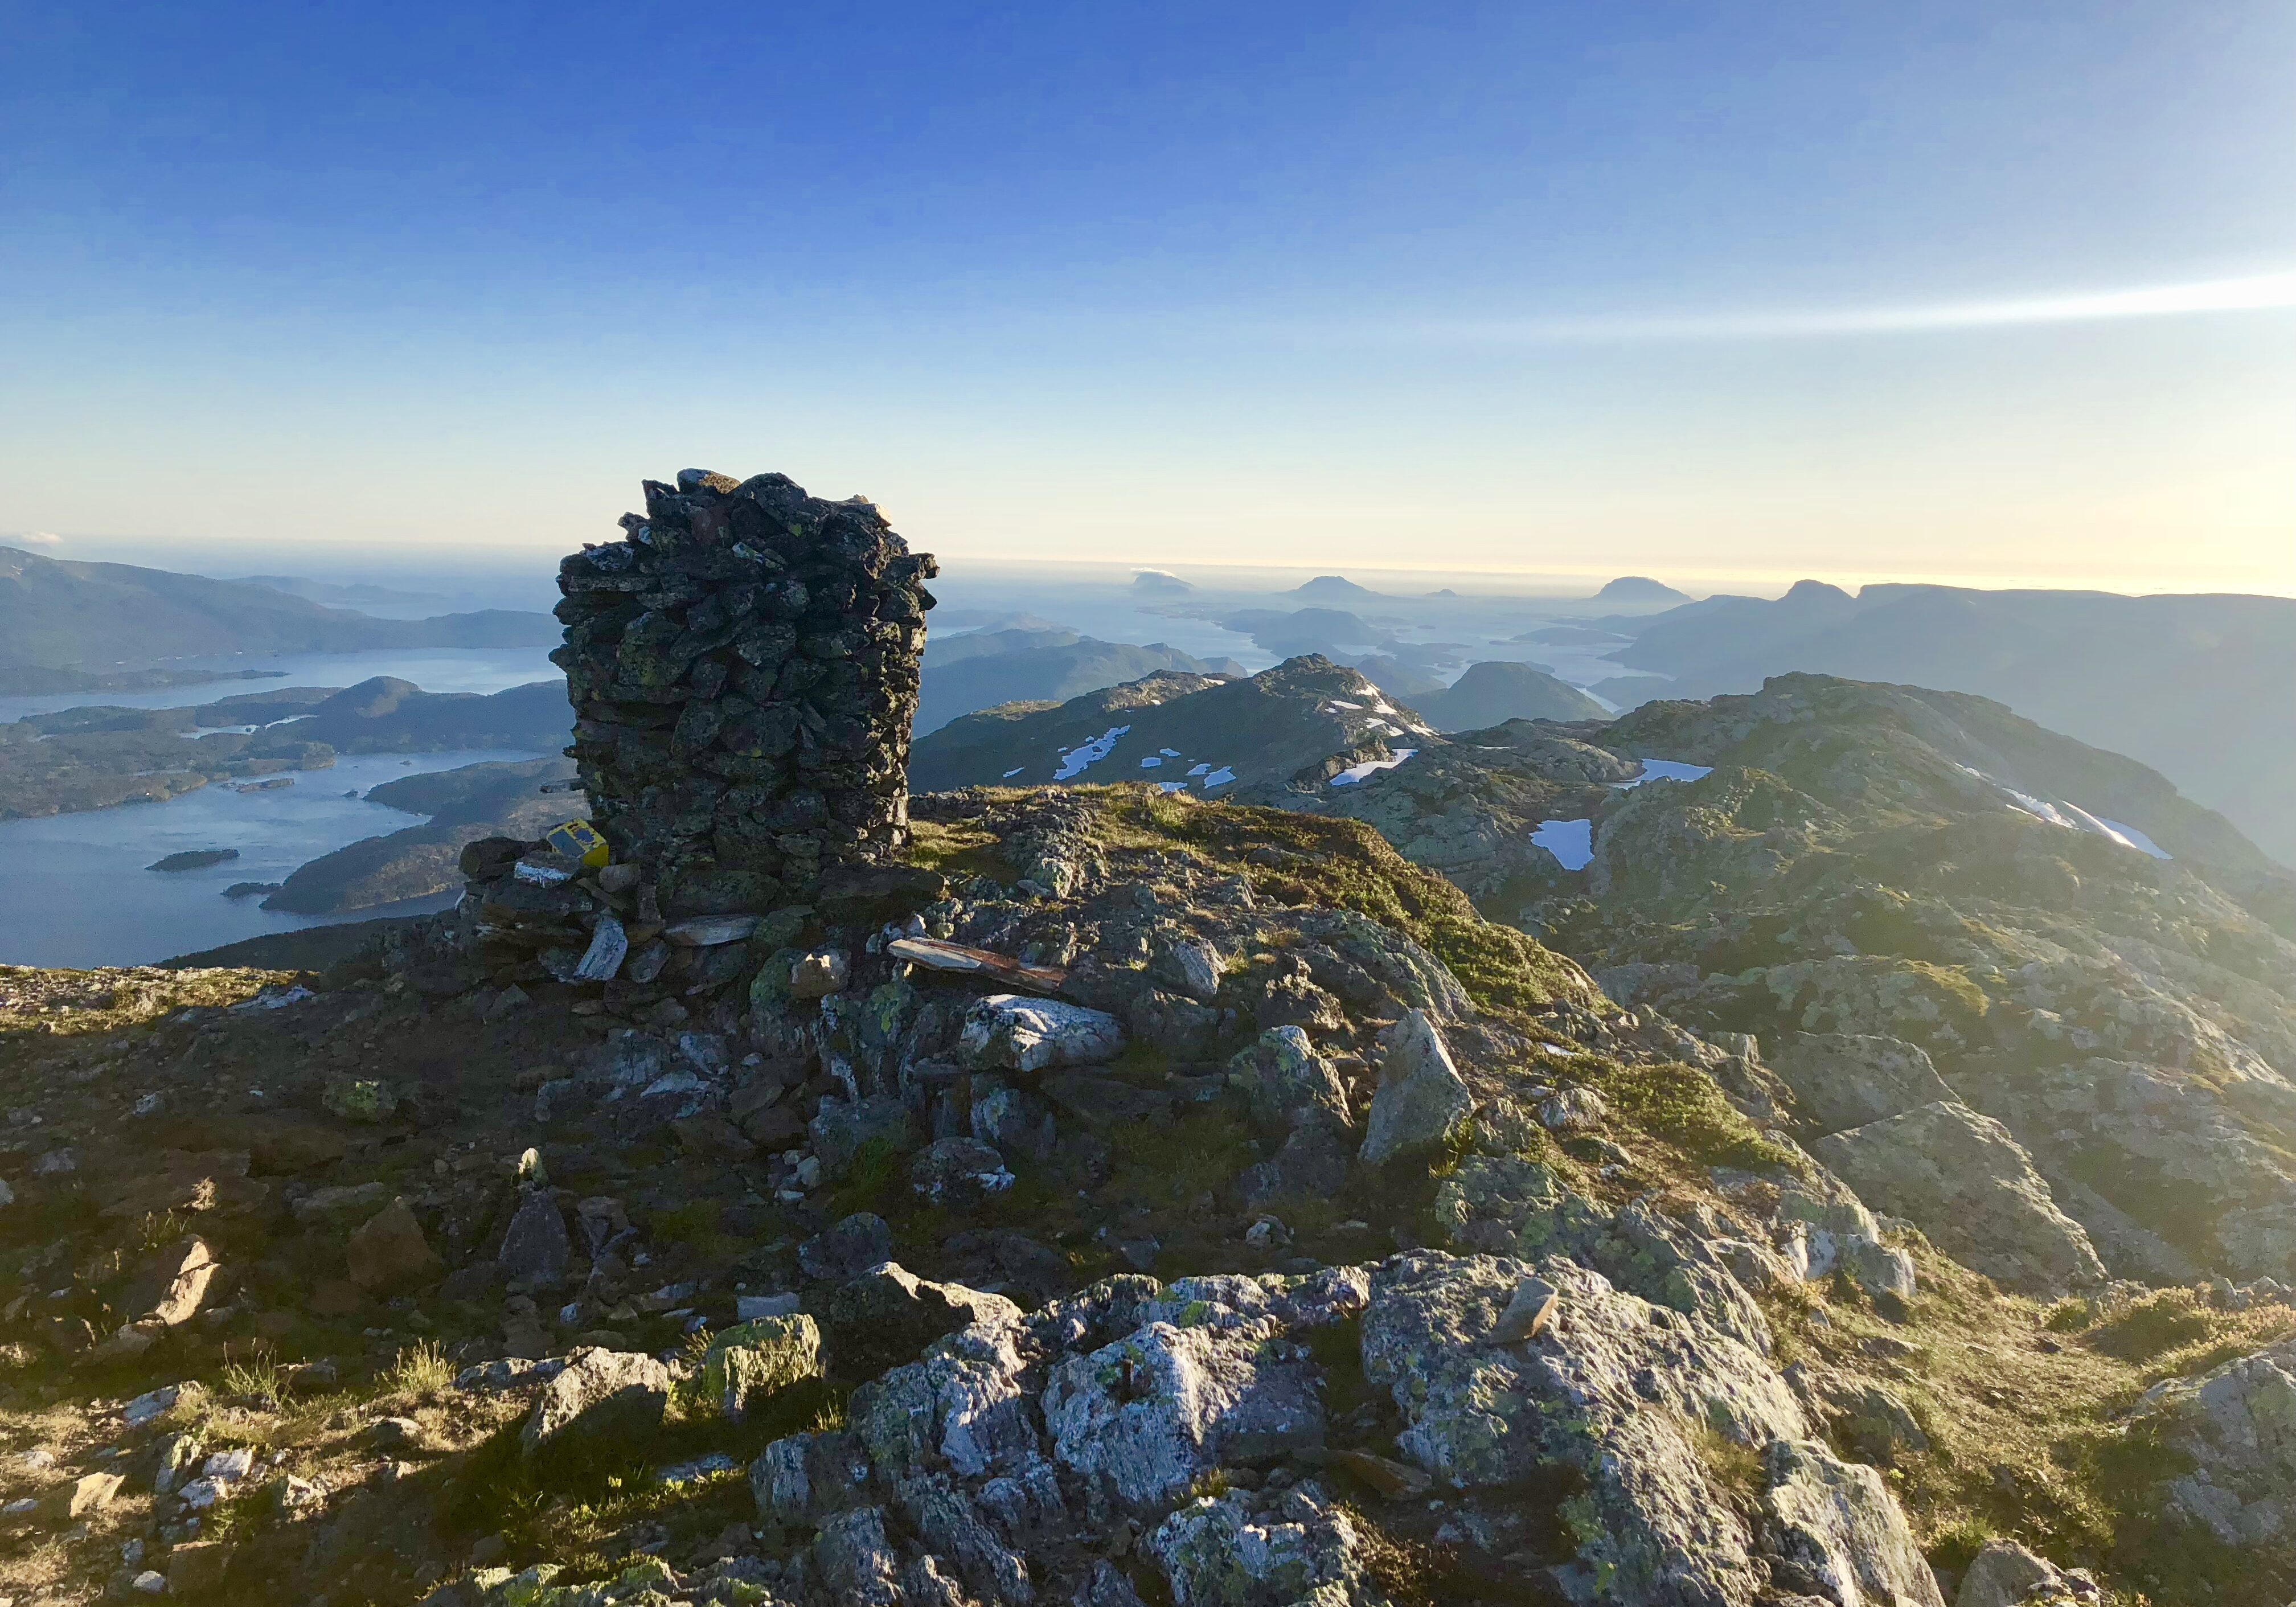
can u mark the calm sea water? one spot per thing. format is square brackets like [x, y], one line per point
[432, 669]
[74, 890]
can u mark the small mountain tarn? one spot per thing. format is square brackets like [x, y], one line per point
[1044, 1194]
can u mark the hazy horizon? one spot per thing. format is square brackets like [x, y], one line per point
[488, 577]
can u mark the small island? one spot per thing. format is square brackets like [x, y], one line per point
[193, 859]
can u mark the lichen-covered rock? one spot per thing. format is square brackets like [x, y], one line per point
[959, 1173]
[1849, 1080]
[856, 1561]
[2002, 1574]
[847, 1248]
[1283, 1080]
[1971, 1188]
[536, 1249]
[1150, 1413]
[2237, 1424]
[801, 1479]
[1833, 1531]
[1613, 1386]
[1187, 965]
[747, 1366]
[601, 1397]
[843, 1130]
[1234, 1550]
[1005, 1030]
[886, 1315]
[1572, 1111]
[1015, 1120]
[1421, 1099]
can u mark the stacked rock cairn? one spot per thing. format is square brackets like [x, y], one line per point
[744, 669]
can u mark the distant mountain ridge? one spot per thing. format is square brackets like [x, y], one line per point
[2194, 685]
[65, 614]
[1193, 731]
[96, 757]
[1036, 666]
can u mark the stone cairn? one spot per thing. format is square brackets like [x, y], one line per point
[743, 667]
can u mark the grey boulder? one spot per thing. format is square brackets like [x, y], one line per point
[1421, 1099]
[2004, 1574]
[1009, 1032]
[1835, 1525]
[535, 1250]
[599, 1399]
[1846, 1079]
[847, 1248]
[1963, 1180]
[887, 1313]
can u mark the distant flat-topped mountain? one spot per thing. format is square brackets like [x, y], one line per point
[1639, 591]
[1193, 733]
[61, 614]
[2195, 686]
[1336, 590]
[1323, 630]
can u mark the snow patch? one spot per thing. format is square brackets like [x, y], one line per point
[1015, 771]
[1355, 775]
[1570, 841]
[1218, 778]
[1076, 761]
[1199, 770]
[1171, 786]
[2136, 839]
[1666, 769]
[1151, 763]
[2072, 817]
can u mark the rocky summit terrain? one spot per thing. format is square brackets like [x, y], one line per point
[1860, 1177]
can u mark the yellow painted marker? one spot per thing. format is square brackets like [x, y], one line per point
[579, 838]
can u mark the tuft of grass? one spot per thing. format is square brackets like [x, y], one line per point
[2166, 1320]
[958, 850]
[1210, 1485]
[1734, 1469]
[1203, 1151]
[697, 1223]
[2069, 1316]
[257, 1377]
[878, 1181]
[422, 1368]
[1682, 1106]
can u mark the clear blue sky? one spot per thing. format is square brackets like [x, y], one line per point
[1546, 287]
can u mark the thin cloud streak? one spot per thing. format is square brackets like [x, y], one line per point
[2258, 294]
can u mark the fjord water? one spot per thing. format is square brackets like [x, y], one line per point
[79, 894]
[432, 669]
